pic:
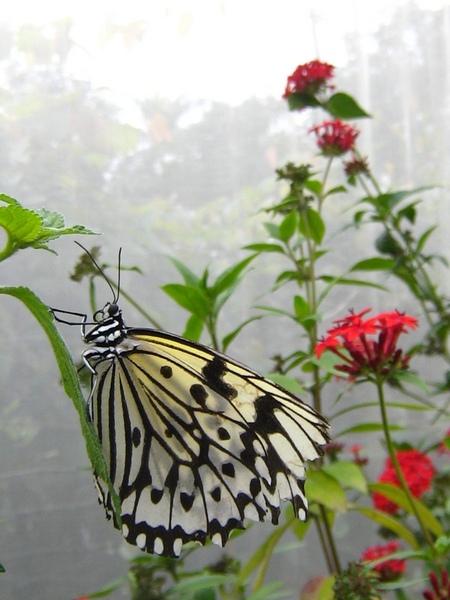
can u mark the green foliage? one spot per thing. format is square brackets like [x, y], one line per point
[27, 228]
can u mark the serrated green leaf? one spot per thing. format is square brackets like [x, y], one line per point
[188, 297]
[51, 218]
[348, 474]
[343, 106]
[9, 200]
[22, 225]
[325, 489]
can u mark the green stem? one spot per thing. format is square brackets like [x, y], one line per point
[393, 456]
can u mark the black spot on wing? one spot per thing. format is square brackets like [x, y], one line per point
[166, 371]
[187, 500]
[216, 494]
[214, 371]
[228, 469]
[223, 434]
[136, 437]
[156, 495]
[198, 393]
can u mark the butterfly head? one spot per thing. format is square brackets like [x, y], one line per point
[109, 329]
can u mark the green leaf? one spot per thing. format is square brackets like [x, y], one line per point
[190, 278]
[288, 226]
[343, 106]
[2, 569]
[289, 383]
[70, 380]
[230, 276]
[301, 308]
[193, 329]
[325, 489]
[201, 582]
[314, 185]
[424, 238]
[312, 225]
[109, 588]
[397, 495]
[261, 557]
[348, 474]
[374, 264]
[190, 298]
[265, 248]
[270, 591]
[389, 522]
[273, 230]
[368, 427]
[412, 379]
[29, 228]
[297, 101]
[230, 336]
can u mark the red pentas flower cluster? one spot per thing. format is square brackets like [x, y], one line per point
[310, 78]
[368, 346]
[388, 570]
[440, 591]
[335, 138]
[418, 471]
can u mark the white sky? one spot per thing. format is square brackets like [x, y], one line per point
[218, 49]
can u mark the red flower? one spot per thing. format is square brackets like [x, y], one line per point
[418, 471]
[335, 138]
[356, 166]
[440, 591]
[357, 458]
[350, 340]
[388, 570]
[309, 78]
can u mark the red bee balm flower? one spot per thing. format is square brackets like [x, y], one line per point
[418, 471]
[351, 340]
[335, 138]
[309, 78]
[388, 570]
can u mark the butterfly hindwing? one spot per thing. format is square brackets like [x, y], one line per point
[195, 442]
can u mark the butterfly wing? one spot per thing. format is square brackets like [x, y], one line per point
[196, 442]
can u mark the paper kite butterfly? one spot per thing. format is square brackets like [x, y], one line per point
[194, 441]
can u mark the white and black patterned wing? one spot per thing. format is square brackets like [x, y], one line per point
[195, 442]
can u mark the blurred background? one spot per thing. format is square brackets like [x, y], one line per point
[160, 125]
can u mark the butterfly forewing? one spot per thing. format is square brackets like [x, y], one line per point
[195, 442]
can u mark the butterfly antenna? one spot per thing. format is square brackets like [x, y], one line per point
[103, 274]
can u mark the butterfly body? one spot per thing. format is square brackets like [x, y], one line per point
[195, 442]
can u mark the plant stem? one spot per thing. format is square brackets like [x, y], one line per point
[396, 465]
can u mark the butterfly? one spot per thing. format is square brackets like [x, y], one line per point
[195, 442]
